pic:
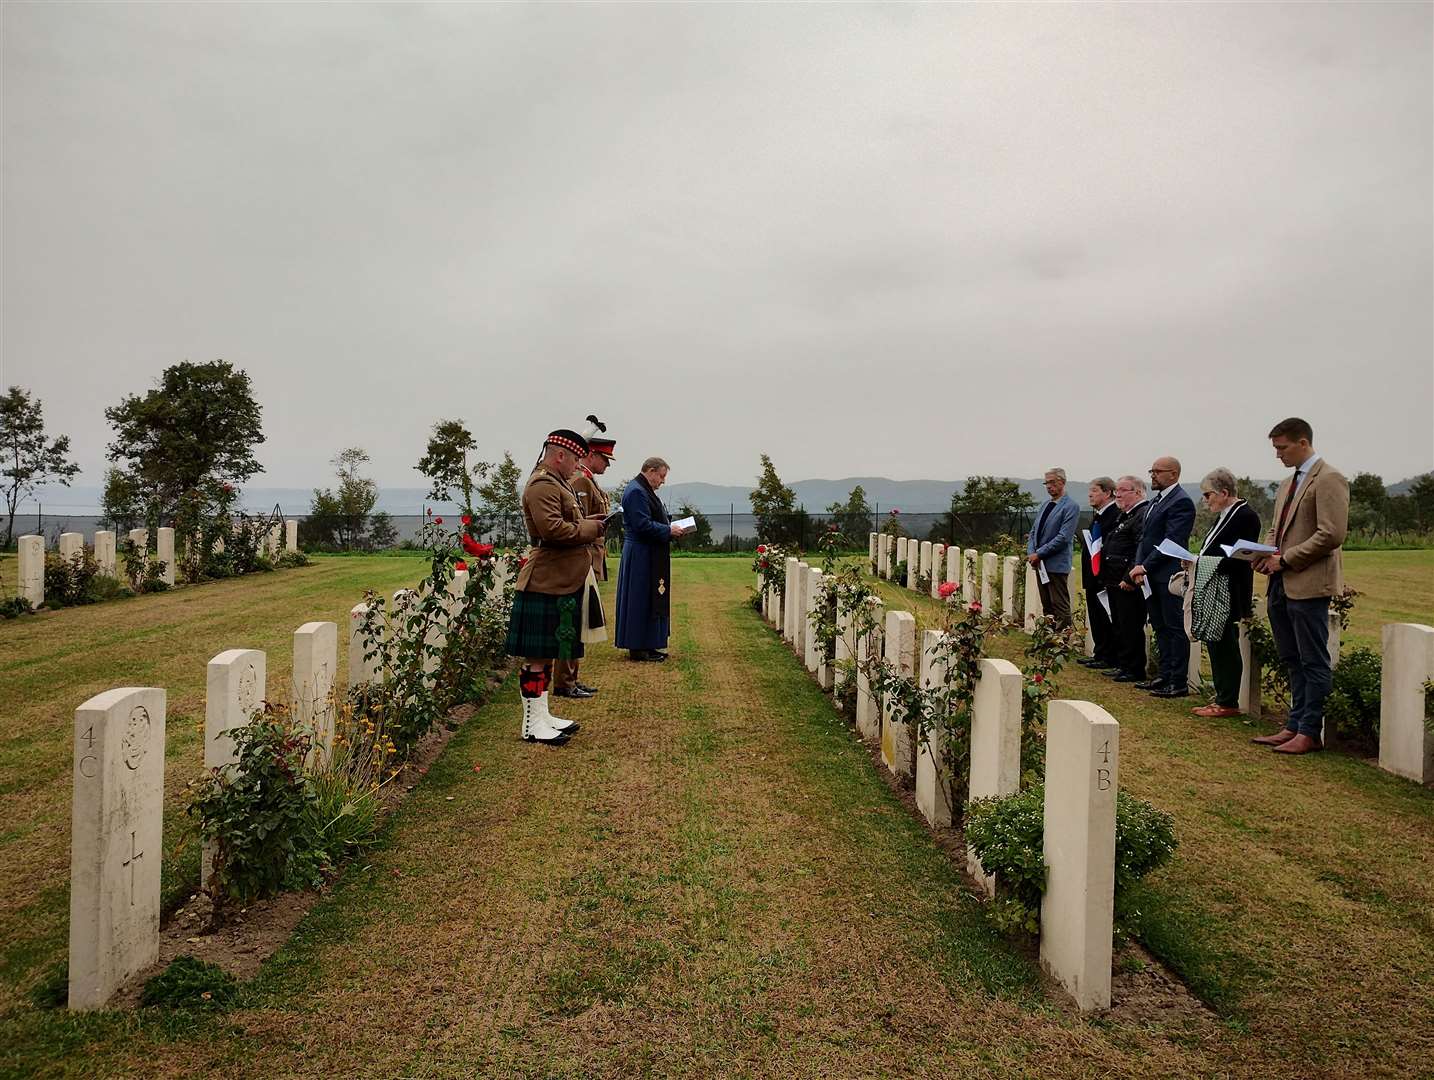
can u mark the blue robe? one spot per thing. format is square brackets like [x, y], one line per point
[646, 535]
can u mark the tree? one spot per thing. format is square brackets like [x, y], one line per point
[1257, 496]
[1421, 494]
[987, 507]
[197, 429]
[502, 504]
[445, 463]
[853, 518]
[340, 517]
[29, 459]
[381, 531]
[1367, 502]
[772, 506]
[700, 538]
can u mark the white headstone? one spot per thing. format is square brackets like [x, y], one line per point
[362, 671]
[164, 544]
[1008, 586]
[316, 660]
[1251, 703]
[140, 539]
[896, 743]
[30, 569]
[871, 547]
[925, 558]
[845, 646]
[968, 576]
[995, 743]
[938, 569]
[811, 649]
[953, 565]
[236, 686]
[1193, 677]
[989, 562]
[105, 552]
[1078, 908]
[1406, 745]
[1333, 639]
[913, 564]
[868, 712]
[70, 545]
[933, 775]
[883, 555]
[1033, 599]
[116, 840]
[291, 535]
[789, 616]
[273, 540]
[800, 631]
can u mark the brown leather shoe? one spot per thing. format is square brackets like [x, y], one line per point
[1284, 735]
[1217, 712]
[1300, 744]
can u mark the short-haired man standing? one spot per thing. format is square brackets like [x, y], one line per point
[1171, 517]
[1127, 606]
[1049, 547]
[1311, 518]
[1102, 632]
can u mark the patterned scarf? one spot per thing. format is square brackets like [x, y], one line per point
[1210, 604]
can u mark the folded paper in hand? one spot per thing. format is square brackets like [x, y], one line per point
[1041, 572]
[1248, 550]
[686, 523]
[1175, 551]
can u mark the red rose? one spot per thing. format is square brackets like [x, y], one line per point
[522, 562]
[438, 521]
[1038, 678]
[428, 510]
[460, 565]
[976, 605]
[761, 549]
[477, 550]
[765, 564]
[466, 520]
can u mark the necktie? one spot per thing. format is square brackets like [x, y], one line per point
[1285, 510]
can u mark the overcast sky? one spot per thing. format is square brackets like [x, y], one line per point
[904, 241]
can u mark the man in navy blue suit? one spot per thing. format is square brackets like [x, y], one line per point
[1049, 546]
[1171, 517]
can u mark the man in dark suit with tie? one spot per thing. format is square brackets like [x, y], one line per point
[1102, 632]
[1171, 517]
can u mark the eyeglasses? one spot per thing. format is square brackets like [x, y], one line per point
[1207, 494]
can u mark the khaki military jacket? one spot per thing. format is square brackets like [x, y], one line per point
[560, 558]
[593, 500]
[1314, 529]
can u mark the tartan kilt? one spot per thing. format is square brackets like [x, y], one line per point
[537, 619]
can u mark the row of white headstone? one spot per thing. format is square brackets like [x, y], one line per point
[1082, 775]
[30, 568]
[1406, 743]
[117, 815]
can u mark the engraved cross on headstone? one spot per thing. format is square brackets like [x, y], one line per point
[134, 856]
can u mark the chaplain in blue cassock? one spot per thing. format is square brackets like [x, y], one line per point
[644, 577]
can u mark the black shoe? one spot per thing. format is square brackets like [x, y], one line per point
[1151, 684]
[572, 692]
[1089, 661]
[1170, 691]
[648, 656]
[591, 690]
[1121, 676]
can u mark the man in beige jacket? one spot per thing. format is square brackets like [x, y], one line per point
[1311, 518]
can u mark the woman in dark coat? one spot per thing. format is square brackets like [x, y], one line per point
[1236, 521]
[644, 577]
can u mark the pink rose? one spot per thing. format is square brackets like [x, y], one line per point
[946, 589]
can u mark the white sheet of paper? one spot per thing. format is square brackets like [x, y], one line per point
[1175, 551]
[1145, 587]
[686, 523]
[1089, 543]
[1104, 597]
[1247, 550]
[1041, 572]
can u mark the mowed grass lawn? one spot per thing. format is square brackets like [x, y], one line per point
[52, 662]
[712, 880]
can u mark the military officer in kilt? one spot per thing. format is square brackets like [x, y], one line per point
[594, 503]
[545, 625]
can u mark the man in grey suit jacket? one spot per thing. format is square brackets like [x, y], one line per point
[1171, 517]
[1050, 545]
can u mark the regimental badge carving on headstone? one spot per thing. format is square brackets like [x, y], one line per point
[136, 738]
[248, 697]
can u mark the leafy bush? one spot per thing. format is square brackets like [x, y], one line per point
[342, 816]
[191, 983]
[69, 581]
[1007, 835]
[12, 607]
[255, 812]
[1353, 703]
[287, 560]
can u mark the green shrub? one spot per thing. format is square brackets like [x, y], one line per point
[1353, 703]
[287, 560]
[12, 607]
[1007, 836]
[190, 983]
[255, 812]
[69, 581]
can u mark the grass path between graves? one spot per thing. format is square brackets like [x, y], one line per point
[1300, 904]
[712, 880]
[52, 662]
